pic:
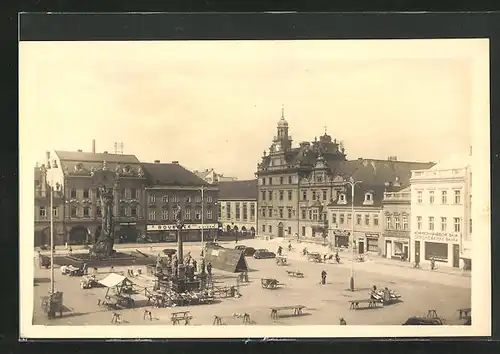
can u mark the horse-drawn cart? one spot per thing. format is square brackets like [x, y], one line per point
[270, 283]
[314, 257]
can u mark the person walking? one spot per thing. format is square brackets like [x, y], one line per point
[209, 269]
[323, 277]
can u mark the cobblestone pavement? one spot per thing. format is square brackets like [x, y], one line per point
[421, 290]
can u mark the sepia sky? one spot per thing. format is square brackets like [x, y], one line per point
[216, 104]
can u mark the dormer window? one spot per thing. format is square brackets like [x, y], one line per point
[342, 199]
[368, 198]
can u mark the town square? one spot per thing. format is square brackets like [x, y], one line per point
[289, 190]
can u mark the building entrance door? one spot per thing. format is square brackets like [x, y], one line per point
[417, 252]
[388, 249]
[361, 247]
[456, 256]
[280, 229]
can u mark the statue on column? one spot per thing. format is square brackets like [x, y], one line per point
[106, 182]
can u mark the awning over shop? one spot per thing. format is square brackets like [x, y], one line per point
[112, 280]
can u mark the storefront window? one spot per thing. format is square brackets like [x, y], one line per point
[397, 249]
[438, 251]
[372, 244]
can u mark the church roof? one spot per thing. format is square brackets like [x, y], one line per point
[238, 190]
[171, 174]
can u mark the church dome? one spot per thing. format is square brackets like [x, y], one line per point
[282, 123]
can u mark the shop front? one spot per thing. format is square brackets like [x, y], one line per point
[190, 232]
[127, 232]
[372, 239]
[360, 242]
[396, 244]
[341, 238]
[443, 247]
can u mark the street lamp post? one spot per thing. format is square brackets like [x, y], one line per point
[352, 183]
[202, 189]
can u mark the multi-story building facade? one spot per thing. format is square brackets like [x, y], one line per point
[441, 223]
[366, 219]
[79, 220]
[42, 209]
[169, 186]
[295, 184]
[238, 206]
[396, 221]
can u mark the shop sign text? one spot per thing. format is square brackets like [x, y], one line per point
[436, 236]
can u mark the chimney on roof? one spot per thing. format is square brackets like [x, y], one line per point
[93, 146]
[176, 162]
[392, 158]
[79, 150]
[157, 161]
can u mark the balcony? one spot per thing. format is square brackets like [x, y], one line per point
[397, 197]
[438, 174]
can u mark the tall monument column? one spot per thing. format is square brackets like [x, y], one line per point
[106, 181]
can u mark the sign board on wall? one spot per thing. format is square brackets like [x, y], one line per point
[341, 233]
[186, 227]
[449, 237]
[372, 235]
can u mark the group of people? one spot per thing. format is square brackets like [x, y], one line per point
[280, 249]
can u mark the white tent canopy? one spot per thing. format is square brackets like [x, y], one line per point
[112, 279]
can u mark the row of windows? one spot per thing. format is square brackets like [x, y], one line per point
[396, 222]
[123, 193]
[316, 195]
[165, 198]
[43, 211]
[306, 214]
[240, 211]
[165, 215]
[457, 222]
[281, 180]
[346, 219]
[444, 197]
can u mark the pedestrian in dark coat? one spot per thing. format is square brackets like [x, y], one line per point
[323, 277]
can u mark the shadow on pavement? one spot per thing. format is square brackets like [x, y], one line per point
[292, 315]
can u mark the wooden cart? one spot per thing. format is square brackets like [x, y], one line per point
[314, 257]
[270, 283]
[281, 261]
[295, 273]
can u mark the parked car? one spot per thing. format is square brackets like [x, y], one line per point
[248, 251]
[263, 253]
[419, 321]
[211, 244]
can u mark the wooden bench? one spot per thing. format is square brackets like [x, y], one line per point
[223, 291]
[270, 283]
[245, 316]
[371, 303]
[177, 317]
[295, 273]
[464, 313]
[297, 310]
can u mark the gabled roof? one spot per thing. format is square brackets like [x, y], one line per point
[238, 190]
[171, 174]
[359, 196]
[378, 172]
[79, 156]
